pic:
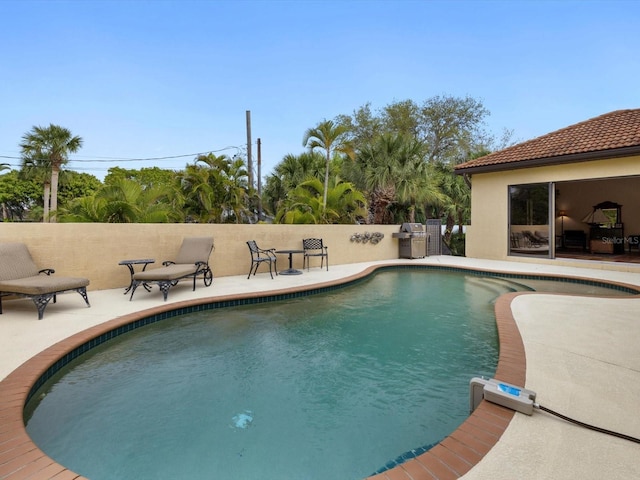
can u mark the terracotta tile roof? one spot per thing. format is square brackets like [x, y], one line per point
[612, 134]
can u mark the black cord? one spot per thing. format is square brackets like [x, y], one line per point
[586, 425]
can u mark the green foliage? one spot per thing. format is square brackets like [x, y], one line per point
[18, 196]
[216, 190]
[44, 151]
[330, 137]
[123, 201]
[291, 172]
[145, 177]
[399, 160]
[75, 185]
[456, 243]
[345, 204]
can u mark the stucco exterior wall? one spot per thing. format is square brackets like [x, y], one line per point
[93, 250]
[487, 236]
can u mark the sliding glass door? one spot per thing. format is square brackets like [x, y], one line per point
[531, 223]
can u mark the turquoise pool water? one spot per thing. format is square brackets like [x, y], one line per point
[328, 386]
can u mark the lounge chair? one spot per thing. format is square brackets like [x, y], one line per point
[313, 247]
[533, 240]
[19, 276]
[259, 256]
[192, 261]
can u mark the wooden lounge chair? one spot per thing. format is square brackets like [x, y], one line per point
[313, 247]
[259, 256]
[19, 276]
[192, 261]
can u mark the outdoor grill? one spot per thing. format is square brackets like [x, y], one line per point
[412, 240]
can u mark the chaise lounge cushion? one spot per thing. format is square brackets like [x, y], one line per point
[42, 284]
[170, 272]
[20, 276]
[192, 261]
[16, 262]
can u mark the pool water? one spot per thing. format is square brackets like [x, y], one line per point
[325, 386]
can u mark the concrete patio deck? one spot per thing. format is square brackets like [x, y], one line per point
[582, 359]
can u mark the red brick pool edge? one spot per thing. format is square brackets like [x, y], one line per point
[21, 459]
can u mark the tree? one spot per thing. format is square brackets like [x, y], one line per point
[345, 204]
[49, 148]
[290, 172]
[364, 127]
[414, 181]
[452, 128]
[123, 201]
[18, 196]
[295, 169]
[455, 207]
[402, 118]
[39, 170]
[395, 174]
[146, 177]
[378, 161]
[330, 137]
[75, 185]
[216, 189]
[236, 196]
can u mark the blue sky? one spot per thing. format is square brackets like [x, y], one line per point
[146, 79]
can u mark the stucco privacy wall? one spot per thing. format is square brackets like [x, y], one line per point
[488, 233]
[93, 250]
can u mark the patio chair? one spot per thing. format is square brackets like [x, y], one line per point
[313, 247]
[192, 261]
[19, 276]
[259, 256]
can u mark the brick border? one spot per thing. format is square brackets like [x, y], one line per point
[20, 458]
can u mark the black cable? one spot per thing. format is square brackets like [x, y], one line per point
[586, 425]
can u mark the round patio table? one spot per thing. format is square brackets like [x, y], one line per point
[290, 270]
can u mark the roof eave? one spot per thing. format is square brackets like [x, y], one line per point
[549, 161]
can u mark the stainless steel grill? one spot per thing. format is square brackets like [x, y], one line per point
[412, 240]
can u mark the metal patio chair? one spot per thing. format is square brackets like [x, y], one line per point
[259, 256]
[313, 247]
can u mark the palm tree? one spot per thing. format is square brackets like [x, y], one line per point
[345, 204]
[200, 189]
[456, 208]
[378, 163]
[123, 201]
[328, 136]
[396, 174]
[415, 182]
[295, 169]
[49, 148]
[235, 202]
[216, 189]
[38, 169]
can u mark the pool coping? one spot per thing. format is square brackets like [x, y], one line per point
[20, 458]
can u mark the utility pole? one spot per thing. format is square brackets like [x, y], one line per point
[249, 160]
[259, 179]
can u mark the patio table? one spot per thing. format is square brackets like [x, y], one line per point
[139, 261]
[290, 270]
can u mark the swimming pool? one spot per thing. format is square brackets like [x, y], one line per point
[289, 343]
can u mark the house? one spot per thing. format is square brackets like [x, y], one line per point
[572, 193]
